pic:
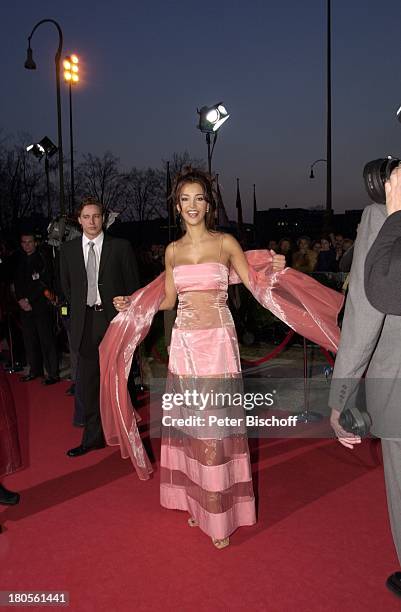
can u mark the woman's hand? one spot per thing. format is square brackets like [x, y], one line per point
[121, 303]
[278, 261]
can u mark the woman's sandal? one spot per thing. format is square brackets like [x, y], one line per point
[217, 543]
[221, 543]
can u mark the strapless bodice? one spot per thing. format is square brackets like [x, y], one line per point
[202, 296]
[201, 277]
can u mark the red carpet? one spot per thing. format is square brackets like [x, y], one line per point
[90, 527]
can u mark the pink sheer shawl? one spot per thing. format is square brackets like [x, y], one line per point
[308, 307]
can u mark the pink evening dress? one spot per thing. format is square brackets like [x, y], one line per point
[206, 471]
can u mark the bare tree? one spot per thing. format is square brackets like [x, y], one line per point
[145, 194]
[178, 161]
[102, 179]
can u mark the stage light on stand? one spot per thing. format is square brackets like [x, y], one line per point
[211, 118]
[45, 148]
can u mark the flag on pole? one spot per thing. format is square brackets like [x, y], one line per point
[239, 208]
[255, 209]
[169, 203]
[221, 213]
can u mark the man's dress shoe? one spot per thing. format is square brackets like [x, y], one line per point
[51, 380]
[71, 390]
[28, 378]
[8, 498]
[82, 450]
[394, 583]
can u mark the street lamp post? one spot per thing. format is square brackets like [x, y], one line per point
[30, 65]
[328, 130]
[71, 76]
[311, 175]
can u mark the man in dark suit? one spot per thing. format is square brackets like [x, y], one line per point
[94, 270]
[32, 280]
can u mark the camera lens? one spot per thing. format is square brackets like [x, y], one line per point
[375, 174]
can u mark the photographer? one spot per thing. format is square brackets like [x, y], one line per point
[382, 285]
[369, 340]
[33, 279]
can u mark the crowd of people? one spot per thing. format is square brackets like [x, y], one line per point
[330, 253]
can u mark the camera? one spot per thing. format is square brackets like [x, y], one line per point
[60, 230]
[357, 422]
[375, 174]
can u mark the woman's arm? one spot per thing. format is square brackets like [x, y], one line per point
[170, 293]
[239, 262]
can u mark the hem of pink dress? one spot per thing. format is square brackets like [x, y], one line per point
[217, 526]
[209, 477]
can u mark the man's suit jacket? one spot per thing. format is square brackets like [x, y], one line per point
[383, 268]
[118, 275]
[370, 342]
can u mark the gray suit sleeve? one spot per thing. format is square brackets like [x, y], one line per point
[362, 323]
[383, 268]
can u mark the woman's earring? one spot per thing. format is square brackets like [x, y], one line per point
[207, 209]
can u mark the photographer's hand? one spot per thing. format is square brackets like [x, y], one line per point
[393, 191]
[345, 438]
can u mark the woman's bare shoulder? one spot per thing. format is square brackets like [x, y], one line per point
[169, 252]
[229, 242]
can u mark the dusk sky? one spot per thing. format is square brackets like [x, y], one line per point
[147, 66]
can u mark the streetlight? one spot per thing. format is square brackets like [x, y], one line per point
[45, 148]
[311, 175]
[71, 75]
[211, 118]
[328, 122]
[30, 65]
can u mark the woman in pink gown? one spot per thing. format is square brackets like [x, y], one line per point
[204, 471]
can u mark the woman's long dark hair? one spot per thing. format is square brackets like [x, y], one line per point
[196, 175]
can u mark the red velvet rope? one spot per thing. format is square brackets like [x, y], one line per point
[328, 356]
[274, 353]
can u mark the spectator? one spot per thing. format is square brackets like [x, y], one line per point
[33, 278]
[344, 265]
[304, 259]
[316, 246]
[285, 248]
[326, 261]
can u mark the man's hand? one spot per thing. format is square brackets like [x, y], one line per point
[24, 304]
[121, 303]
[345, 438]
[393, 191]
[278, 261]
